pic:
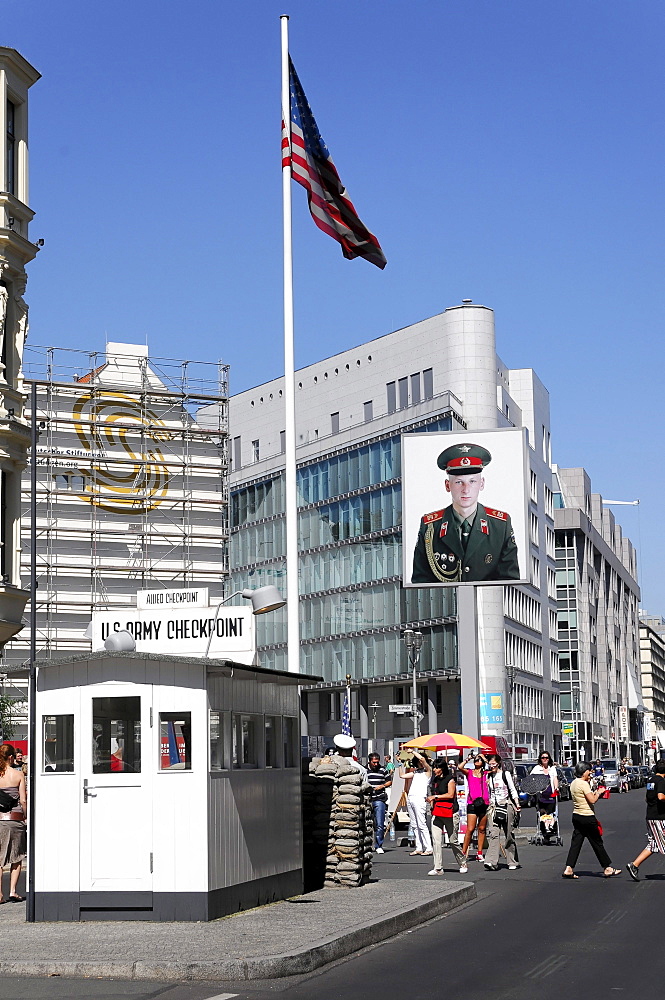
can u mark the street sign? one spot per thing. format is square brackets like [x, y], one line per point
[401, 709]
[568, 728]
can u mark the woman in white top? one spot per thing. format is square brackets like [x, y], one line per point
[417, 778]
[546, 766]
[504, 806]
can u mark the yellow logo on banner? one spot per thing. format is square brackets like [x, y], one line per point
[134, 476]
[496, 701]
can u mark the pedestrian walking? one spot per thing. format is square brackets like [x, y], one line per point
[585, 824]
[655, 796]
[13, 810]
[624, 779]
[417, 778]
[445, 814]
[388, 764]
[503, 815]
[379, 780]
[478, 798]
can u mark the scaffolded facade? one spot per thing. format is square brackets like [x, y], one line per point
[132, 493]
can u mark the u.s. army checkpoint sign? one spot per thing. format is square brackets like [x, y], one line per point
[185, 630]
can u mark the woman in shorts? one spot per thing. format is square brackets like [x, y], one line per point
[478, 798]
[655, 819]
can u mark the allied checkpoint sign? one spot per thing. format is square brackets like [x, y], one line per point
[178, 622]
[449, 474]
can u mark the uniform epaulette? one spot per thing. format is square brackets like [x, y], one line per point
[501, 514]
[435, 516]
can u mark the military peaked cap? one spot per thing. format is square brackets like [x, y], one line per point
[464, 459]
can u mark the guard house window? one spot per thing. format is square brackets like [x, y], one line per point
[368, 409]
[58, 743]
[334, 423]
[218, 732]
[428, 383]
[271, 728]
[290, 739]
[116, 735]
[175, 741]
[391, 393]
[11, 148]
[255, 451]
[245, 741]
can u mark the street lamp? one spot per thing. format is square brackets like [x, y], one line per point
[263, 599]
[413, 642]
[510, 674]
[374, 706]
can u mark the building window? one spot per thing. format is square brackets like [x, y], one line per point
[415, 388]
[334, 423]
[282, 441]
[368, 411]
[11, 148]
[392, 396]
[428, 383]
[237, 453]
[403, 393]
[255, 451]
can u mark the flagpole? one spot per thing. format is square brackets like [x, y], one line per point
[291, 499]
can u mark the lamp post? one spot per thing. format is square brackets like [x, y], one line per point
[374, 706]
[413, 642]
[263, 599]
[510, 675]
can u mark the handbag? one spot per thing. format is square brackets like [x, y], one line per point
[443, 807]
[500, 814]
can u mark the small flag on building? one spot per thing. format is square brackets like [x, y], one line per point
[346, 717]
[311, 166]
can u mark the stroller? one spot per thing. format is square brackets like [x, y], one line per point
[547, 806]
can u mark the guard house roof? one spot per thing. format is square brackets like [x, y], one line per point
[213, 666]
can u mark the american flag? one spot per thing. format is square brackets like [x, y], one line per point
[311, 166]
[346, 717]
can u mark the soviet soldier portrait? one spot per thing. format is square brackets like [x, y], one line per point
[465, 542]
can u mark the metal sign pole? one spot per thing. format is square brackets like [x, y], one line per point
[32, 684]
[467, 654]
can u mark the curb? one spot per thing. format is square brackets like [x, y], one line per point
[269, 967]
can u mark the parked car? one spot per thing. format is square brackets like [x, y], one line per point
[564, 784]
[634, 776]
[569, 773]
[611, 779]
[645, 772]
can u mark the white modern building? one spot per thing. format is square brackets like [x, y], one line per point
[16, 252]
[652, 663]
[442, 373]
[598, 623]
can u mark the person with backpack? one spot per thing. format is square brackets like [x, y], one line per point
[13, 810]
[442, 799]
[655, 798]
[503, 815]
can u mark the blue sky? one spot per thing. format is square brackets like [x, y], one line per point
[509, 152]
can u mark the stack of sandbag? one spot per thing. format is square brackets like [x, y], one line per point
[337, 824]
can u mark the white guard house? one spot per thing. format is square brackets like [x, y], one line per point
[168, 787]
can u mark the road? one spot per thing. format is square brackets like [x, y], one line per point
[529, 933]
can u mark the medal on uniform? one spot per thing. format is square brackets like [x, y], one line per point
[488, 558]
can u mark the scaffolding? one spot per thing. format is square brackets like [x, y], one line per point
[132, 493]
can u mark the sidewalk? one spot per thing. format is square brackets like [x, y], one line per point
[291, 937]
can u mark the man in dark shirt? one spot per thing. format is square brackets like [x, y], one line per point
[379, 779]
[655, 797]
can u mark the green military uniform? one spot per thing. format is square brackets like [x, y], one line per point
[455, 549]
[491, 552]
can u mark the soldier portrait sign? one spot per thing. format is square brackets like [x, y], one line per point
[465, 508]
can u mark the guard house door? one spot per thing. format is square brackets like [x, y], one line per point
[116, 792]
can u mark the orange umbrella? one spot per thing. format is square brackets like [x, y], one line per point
[444, 741]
